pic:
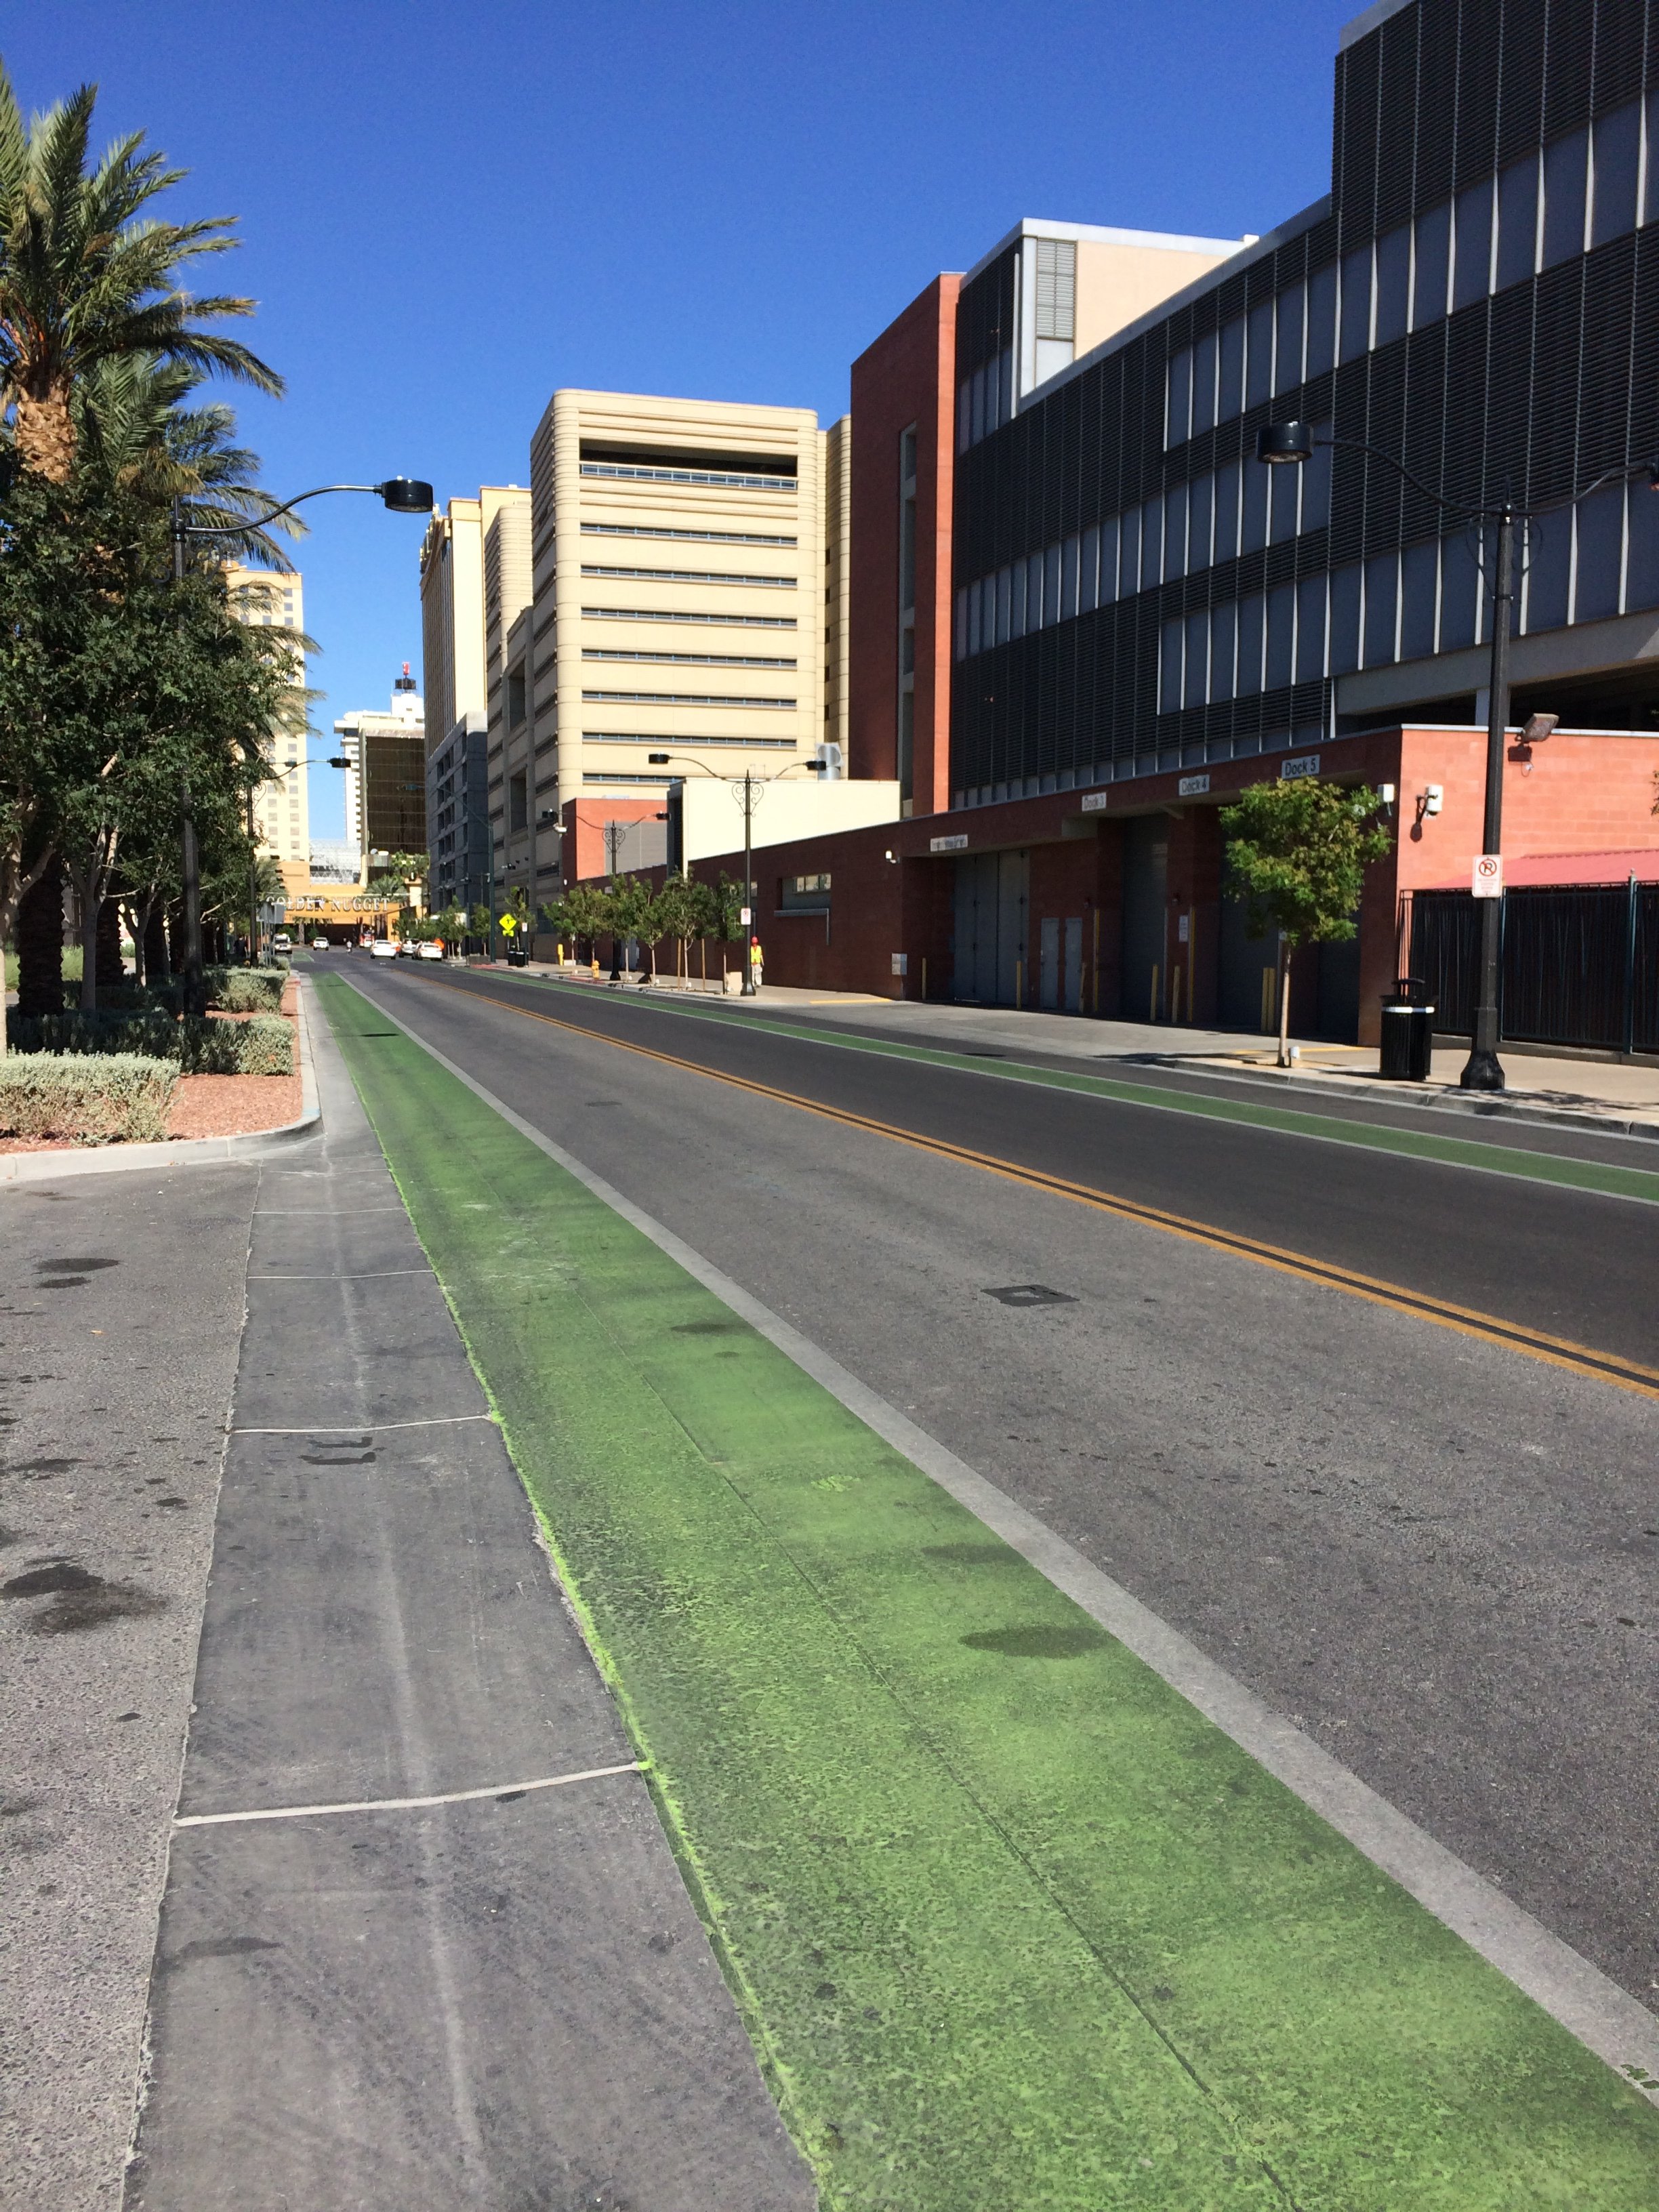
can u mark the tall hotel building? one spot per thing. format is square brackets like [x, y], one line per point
[687, 595]
[269, 599]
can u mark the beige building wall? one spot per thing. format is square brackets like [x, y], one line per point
[281, 810]
[507, 639]
[836, 464]
[1118, 282]
[455, 606]
[679, 562]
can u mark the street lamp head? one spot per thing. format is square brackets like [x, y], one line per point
[1277, 443]
[657, 759]
[406, 495]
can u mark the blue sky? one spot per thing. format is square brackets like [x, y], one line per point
[448, 211]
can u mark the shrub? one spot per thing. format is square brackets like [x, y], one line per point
[245, 990]
[102, 1100]
[263, 1045]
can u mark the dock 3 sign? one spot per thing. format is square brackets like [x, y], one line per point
[1488, 875]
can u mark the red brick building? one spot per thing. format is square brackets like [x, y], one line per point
[903, 486]
[1110, 901]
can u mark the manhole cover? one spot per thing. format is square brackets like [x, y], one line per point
[1031, 1294]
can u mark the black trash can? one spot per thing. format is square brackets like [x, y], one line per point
[1407, 1032]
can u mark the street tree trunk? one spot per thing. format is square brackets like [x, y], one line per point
[1285, 1008]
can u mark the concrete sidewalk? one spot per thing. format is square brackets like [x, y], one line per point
[499, 1999]
[121, 1316]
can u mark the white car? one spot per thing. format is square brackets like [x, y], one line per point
[431, 950]
[319, 944]
[282, 942]
[384, 948]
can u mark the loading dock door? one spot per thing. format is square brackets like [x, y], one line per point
[1145, 958]
[991, 923]
[1074, 963]
[1050, 931]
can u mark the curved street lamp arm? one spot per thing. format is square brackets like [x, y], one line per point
[258, 522]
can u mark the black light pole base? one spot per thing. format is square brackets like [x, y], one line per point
[1482, 1072]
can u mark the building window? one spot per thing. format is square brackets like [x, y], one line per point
[1056, 289]
[516, 704]
[517, 801]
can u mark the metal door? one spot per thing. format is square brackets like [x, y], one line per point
[1074, 963]
[1049, 935]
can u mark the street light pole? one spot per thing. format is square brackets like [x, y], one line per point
[749, 883]
[750, 781]
[1484, 1071]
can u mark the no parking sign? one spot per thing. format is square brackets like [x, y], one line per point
[1488, 875]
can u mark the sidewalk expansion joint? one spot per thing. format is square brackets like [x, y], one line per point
[361, 1428]
[501, 1791]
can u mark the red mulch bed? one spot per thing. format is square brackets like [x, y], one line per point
[210, 1105]
[233, 1105]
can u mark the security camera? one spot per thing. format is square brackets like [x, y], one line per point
[1433, 796]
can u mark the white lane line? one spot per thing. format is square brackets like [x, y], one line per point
[320, 1213]
[404, 1804]
[1587, 2002]
[363, 1428]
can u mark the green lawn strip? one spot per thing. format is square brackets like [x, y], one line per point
[1010, 1924]
[1374, 1136]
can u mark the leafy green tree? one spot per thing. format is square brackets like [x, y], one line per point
[584, 912]
[480, 922]
[89, 275]
[1296, 855]
[634, 911]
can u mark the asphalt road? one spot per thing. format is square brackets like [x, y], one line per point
[1438, 1556]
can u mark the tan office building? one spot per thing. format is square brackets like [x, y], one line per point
[461, 544]
[686, 594]
[264, 598]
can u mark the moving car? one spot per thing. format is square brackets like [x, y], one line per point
[282, 942]
[384, 948]
[431, 950]
[319, 944]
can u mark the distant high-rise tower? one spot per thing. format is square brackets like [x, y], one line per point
[386, 781]
[264, 598]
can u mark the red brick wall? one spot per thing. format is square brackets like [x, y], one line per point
[908, 375]
[1576, 792]
[1581, 794]
[582, 849]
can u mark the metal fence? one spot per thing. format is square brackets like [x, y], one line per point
[1580, 966]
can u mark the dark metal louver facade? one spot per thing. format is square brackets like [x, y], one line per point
[1449, 114]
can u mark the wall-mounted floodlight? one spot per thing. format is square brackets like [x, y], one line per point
[1538, 727]
[1279, 442]
[406, 495]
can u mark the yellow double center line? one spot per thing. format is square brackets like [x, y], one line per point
[1491, 1328]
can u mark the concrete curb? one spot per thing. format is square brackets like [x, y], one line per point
[188, 1151]
[1486, 1107]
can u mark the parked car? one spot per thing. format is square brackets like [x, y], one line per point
[319, 944]
[406, 947]
[432, 950]
[282, 942]
[384, 948]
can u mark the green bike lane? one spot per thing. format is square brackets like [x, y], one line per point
[1009, 1922]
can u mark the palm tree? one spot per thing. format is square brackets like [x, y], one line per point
[135, 430]
[87, 277]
